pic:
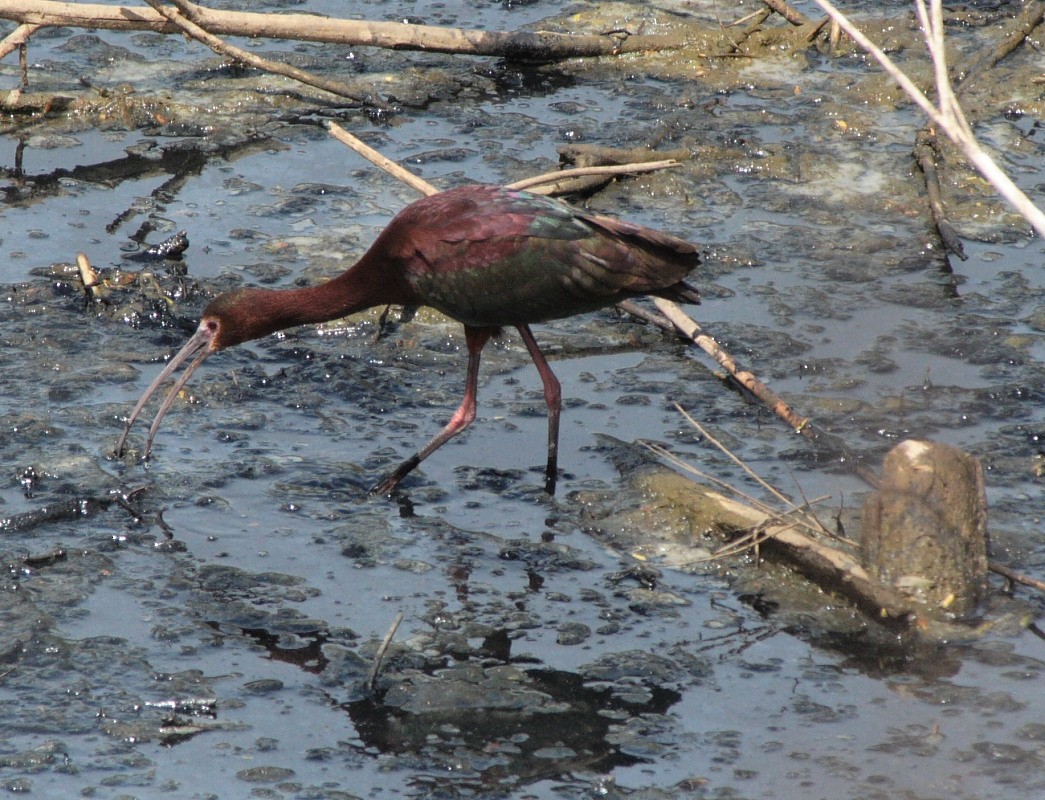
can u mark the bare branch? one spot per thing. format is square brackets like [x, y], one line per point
[223, 48]
[520, 45]
[948, 117]
[375, 158]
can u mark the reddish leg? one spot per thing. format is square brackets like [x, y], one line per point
[553, 398]
[476, 339]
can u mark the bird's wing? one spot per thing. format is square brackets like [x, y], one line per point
[464, 230]
[487, 254]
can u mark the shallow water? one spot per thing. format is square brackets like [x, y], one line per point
[252, 579]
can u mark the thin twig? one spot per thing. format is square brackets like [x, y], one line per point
[424, 187]
[685, 466]
[752, 502]
[948, 116]
[1015, 577]
[733, 457]
[180, 18]
[792, 15]
[576, 172]
[759, 14]
[378, 160]
[379, 656]
[690, 328]
[750, 540]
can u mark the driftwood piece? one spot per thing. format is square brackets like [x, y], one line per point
[519, 45]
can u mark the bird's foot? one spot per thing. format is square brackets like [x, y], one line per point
[385, 487]
[388, 485]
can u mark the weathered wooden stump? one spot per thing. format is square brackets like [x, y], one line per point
[925, 527]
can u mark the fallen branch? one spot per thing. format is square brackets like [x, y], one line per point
[925, 153]
[770, 399]
[193, 29]
[948, 115]
[379, 656]
[1015, 577]
[520, 45]
[17, 38]
[378, 160]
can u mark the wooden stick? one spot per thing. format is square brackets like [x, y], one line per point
[223, 48]
[828, 442]
[734, 458]
[17, 38]
[375, 158]
[538, 46]
[688, 326]
[425, 188]
[792, 15]
[1015, 577]
[575, 172]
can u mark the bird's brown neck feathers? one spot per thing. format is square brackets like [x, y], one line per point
[251, 313]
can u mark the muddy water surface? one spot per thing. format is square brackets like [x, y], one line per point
[212, 635]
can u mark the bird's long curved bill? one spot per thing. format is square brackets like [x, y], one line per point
[197, 346]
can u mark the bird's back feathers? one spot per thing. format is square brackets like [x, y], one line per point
[490, 256]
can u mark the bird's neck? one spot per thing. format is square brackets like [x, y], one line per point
[360, 287]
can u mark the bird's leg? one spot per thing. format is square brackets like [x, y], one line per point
[553, 398]
[476, 339]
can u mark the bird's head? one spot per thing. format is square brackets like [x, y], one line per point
[238, 316]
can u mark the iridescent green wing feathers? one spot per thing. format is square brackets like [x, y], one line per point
[491, 256]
